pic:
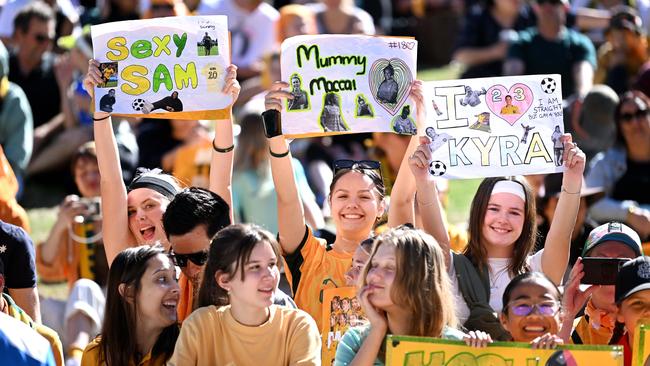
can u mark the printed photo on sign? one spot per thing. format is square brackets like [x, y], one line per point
[336, 88]
[163, 68]
[483, 127]
[341, 311]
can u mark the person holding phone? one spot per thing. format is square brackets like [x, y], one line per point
[596, 326]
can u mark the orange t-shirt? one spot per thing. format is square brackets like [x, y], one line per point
[192, 164]
[185, 304]
[313, 267]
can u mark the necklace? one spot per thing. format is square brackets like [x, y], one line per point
[496, 278]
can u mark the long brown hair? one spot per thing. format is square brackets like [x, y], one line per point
[230, 249]
[118, 342]
[421, 282]
[252, 146]
[475, 250]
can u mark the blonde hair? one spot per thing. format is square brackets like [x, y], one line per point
[421, 282]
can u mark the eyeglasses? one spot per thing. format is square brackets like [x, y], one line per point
[549, 308]
[552, 2]
[640, 113]
[42, 38]
[356, 164]
[198, 258]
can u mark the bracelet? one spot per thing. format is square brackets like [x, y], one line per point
[272, 123]
[567, 192]
[282, 155]
[100, 119]
[224, 150]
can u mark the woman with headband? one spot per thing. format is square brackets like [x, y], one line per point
[501, 235]
[133, 214]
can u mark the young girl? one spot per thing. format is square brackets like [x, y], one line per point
[404, 290]
[133, 215]
[633, 301]
[140, 322]
[501, 231]
[532, 310]
[242, 326]
[356, 200]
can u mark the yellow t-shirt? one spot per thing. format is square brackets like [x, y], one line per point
[211, 336]
[192, 164]
[313, 267]
[91, 356]
[509, 109]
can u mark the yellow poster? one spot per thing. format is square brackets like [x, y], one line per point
[641, 348]
[418, 351]
[341, 311]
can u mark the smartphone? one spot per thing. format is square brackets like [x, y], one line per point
[601, 271]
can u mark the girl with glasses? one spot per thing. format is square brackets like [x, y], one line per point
[531, 310]
[356, 200]
[624, 169]
[242, 326]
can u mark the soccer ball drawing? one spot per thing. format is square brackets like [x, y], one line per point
[138, 104]
[437, 168]
[548, 85]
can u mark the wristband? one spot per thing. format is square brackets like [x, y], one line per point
[272, 123]
[275, 155]
[224, 150]
[100, 119]
[567, 192]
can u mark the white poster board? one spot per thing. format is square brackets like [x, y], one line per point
[348, 84]
[163, 68]
[495, 126]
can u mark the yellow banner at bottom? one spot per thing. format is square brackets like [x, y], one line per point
[419, 351]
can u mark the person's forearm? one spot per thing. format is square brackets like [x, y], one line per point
[52, 245]
[221, 164]
[369, 349]
[558, 240]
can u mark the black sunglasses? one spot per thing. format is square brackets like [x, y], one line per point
[198, 258]
[640, 113]
[356, 164]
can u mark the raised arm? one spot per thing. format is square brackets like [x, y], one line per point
[116, 234]
[223, 144]
[291, 219]
[401, 208]
[427, 197]
[558, 240]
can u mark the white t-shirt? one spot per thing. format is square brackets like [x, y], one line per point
[253, 34]
[499, 280]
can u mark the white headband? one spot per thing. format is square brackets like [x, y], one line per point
[508, 186]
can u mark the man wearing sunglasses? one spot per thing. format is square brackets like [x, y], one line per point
[552, 48]
[192, 218]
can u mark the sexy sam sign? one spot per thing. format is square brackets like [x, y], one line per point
[494, 126]
[163, 68]
[347, 84]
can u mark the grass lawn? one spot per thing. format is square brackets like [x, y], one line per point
[214, 51]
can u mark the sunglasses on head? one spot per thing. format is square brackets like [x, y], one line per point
[549, 308]
[356, 164]
[640, 113]
[198, 258]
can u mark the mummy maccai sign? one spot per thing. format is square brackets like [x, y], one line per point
[495, 126]
[348, 84]
[163, 68]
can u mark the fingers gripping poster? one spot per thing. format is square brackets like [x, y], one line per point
[494, 126]
[163, 68]
[419, 351]
[348, 84]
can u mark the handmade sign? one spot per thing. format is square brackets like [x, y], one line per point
[163, 68]
[348, 84]
[418, 351]
[341, 311]
[495, 126]
[641, 347]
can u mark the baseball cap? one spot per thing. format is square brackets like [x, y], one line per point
[625, 18]
[80, 39]
[614, 231]
[633, 276]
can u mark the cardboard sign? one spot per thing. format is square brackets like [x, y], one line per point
[348, 84]
[495, 126]
[641, 347]
[341, 311]
[163, 68]
[419, 351]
